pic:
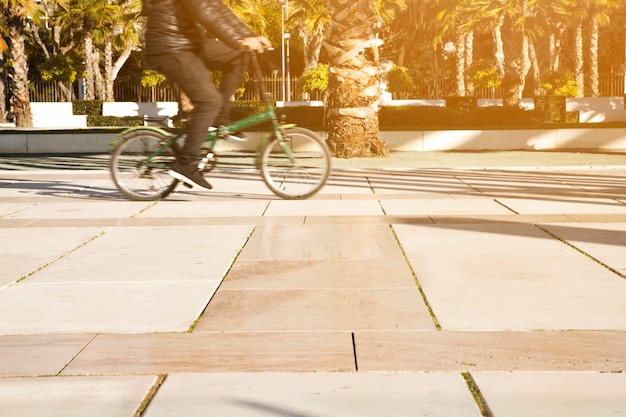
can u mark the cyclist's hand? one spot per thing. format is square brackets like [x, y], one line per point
[259, 43]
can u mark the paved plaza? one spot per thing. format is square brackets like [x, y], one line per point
[452, 284]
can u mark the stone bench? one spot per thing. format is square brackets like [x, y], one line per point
[56, 115]
[153, 113]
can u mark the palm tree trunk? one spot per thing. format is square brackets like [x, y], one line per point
[459, 55]
[90, 93]
[594, 29]
[3, 76]
[578, 61]
[469, 60]
[21, 96]
[513, 47]
[108, 71]
[354, 80]
[499, 46]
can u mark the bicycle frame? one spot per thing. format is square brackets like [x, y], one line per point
[268, 115]
[212, 137]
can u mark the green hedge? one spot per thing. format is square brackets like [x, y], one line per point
[102, 121]
[390, 118]
[88, 107]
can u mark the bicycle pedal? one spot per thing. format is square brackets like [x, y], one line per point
[187, 185]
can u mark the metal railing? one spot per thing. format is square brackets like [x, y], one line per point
[130, 89]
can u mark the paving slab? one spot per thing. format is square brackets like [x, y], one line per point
[215, 352]
[318, 274]
[39, 355]
[416, 182]
[278, 242]
[319, 207]
[113, 307]
[82, 209]
[297, 306]
[313, 395]
[584, 394]
[480, 282]
[463, 351]
[114, 396]
[516, 182]
[24, 251]
[52, 187]
[604, 242]
[150, 254]
[565, 206]
[233, 207]
[10, 208]
[458, 207]
[347, 183]
[316, 310]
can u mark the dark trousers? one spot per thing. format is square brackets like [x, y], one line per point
[190, 71]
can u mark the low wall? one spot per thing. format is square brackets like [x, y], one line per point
[598, 137]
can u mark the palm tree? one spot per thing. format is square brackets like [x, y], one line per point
[312, 17]
[353, 84]
[455, 20]
[4, 48]
[14, 21]
[508, 18]
[597, 17]
[91, 21]
[123, 37]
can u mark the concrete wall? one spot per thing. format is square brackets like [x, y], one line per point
[15, 141]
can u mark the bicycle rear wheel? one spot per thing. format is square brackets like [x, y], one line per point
[302, 176]
[139, 164]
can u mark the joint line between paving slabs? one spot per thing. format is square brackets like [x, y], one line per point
[76, 355]
[478, 396]
[197, 320]
[150, 395]
[58, 258]
[417, 282]
[356, 363]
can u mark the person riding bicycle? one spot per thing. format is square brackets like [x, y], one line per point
[179, 44]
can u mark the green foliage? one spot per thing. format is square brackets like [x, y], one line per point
[483, 74]
[88, 107]
[217, 79]
[103, 121]
[560, 83]
[399, 80]
[151, 78]
[66, 68]
[424, 117]
[305, 116]
[243, 108]
[314, 79]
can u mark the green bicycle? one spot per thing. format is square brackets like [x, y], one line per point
[294, 162]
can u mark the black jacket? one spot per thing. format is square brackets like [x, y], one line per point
[183, 25]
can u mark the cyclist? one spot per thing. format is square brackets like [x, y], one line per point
[179, 45]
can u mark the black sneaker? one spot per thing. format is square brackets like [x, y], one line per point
[189, 174]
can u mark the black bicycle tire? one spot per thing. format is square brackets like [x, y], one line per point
[315, 186]
[116, 152]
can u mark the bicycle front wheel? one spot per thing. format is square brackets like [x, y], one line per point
[139, 164]
[297, 167]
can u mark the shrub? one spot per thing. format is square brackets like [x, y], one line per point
[88, 107]
[560, 83]
[399, 80]
[483, 73]
[314, 79]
